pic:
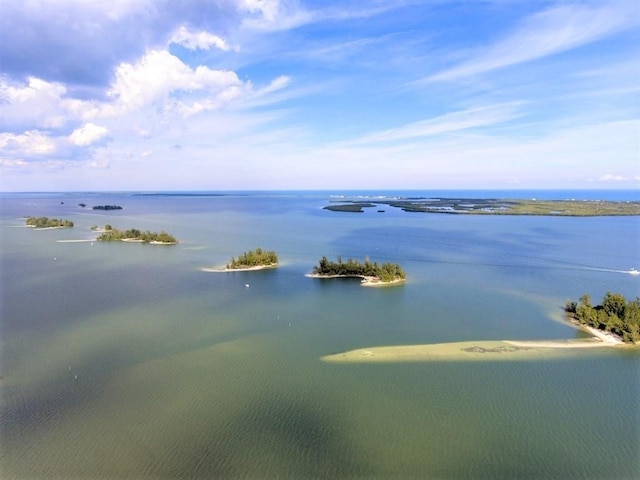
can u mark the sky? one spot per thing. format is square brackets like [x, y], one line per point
[121, 95]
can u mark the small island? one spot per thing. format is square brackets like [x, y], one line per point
[107, 207]
[46, 222]
[372, 274]
[257, 259]
[110, 234]
[615, 315]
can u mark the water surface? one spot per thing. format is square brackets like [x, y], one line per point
[188, 374]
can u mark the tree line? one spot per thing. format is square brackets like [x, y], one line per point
[46, 222]
[107, 207]
[254, 258]
[386, 272]
[112, 234]
[615, 314]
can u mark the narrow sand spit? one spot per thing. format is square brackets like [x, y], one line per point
[244, 269]
[490, 350]
[78, 241]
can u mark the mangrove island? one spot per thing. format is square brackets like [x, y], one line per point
[254, 260]
[134, 235]
[107, 207]
[615, 315]
[46, 222]
[372, 274]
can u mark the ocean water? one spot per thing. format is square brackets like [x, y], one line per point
[128, 361]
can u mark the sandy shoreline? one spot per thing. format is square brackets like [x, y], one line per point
[244, 269]
[364, 280]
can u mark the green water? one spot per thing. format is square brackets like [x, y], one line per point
[187, 374]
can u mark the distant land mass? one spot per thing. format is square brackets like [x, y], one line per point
[492, 206]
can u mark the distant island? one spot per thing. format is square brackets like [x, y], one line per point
[615, 315]
[489, 206]
[107, 207]
[372, 274]
[254, 260]
[46, 222]
[110, 234]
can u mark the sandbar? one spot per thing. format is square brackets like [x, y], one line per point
[78, 241]
[486, 350]
[242, 269]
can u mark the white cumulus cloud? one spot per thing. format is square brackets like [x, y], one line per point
[87, 134]
[160, 74]
[198, 40]
[32, 142]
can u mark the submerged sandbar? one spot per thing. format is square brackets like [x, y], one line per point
[486, 350]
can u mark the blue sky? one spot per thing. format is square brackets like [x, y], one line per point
[268, 94]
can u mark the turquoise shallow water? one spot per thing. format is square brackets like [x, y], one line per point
[187, 374]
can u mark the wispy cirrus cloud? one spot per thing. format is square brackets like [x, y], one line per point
[451, 122]
[549, 32]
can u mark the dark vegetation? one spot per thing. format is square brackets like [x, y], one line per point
[355, 207]
[615, 314]
[387, 272]
[46, 222]
[254, 258]
[107, 207]
[112, 234]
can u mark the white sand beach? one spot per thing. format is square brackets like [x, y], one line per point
[78, 241]
[243, 269]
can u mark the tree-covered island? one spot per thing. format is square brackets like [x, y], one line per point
[107, 207]
[46, 222]
[371, 273]
[615, 314]
[110, 234]
[254, 260]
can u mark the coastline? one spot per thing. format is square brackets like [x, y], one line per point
[365, 281]
[243, 269]
[603, 336]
